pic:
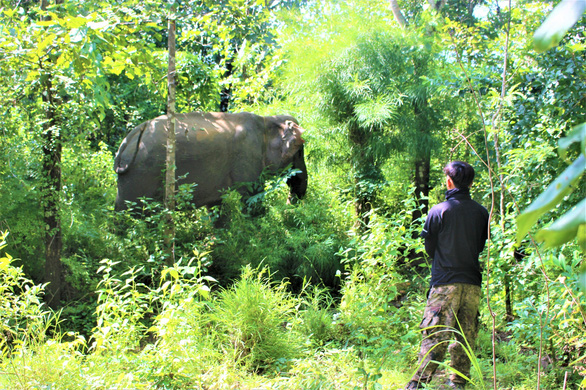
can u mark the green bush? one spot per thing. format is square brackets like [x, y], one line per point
[23, 319]
[123, 306]
[253, 319]
[186, 344]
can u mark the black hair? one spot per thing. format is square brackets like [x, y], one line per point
[461, 173]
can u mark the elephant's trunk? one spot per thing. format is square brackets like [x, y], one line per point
[298, 183]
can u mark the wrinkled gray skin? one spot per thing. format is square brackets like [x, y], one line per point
[215, 150]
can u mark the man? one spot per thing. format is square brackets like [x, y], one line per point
[455, 233]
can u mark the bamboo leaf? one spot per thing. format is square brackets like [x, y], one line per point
[557, 24]
[375, 112]
[568, 226]
[550, 197]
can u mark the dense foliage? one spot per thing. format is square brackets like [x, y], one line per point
[323, 294]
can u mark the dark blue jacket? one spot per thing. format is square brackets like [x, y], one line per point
[455, 233]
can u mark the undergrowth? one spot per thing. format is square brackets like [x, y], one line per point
[184, 330]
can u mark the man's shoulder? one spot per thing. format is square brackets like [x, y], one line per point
[455, 204]
[439, 208]
[479, 206]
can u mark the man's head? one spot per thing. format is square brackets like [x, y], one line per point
[460, 173]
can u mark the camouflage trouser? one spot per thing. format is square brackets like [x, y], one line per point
[449, 308]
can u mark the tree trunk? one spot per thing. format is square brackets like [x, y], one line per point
[366, 172]
[437, 5]
[226, 92]
[422, 162]
[170, 158]
[399, 18]
[421, 180]
[508, 300]
[51, 188]
[362, 207]
[50, 192]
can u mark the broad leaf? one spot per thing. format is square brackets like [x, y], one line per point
[578, 134]
[566, 228]
[550, 197]
[561, 19]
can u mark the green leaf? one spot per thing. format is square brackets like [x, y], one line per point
[550, 197]
[557, 24]
[578, 134]
[568, 226]
[204, 291]
[77, 35]
[99, 25]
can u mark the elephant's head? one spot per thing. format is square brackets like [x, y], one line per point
[286, 148]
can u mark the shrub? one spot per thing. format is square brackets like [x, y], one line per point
[22, 318]
[186, 345]
[122, 308]
[253, 318]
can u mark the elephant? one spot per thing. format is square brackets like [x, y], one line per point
[215, 151]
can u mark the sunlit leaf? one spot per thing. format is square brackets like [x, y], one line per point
[48, 40]
[99, 25]
[204, 291]
[561, 19]
[77, 35]
[566, 228]
[5, 262]
[46, 23]
[550, 197]
[165, 285]
[8, 12]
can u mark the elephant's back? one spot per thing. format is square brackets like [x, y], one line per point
[217, 150]
[212, 124]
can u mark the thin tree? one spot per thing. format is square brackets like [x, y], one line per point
[171, 147]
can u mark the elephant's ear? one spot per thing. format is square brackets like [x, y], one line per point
[126, 153]
[292, 140]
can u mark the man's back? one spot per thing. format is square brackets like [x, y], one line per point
[455, 233]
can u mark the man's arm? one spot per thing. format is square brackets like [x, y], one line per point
[429, 234]
[485, 231]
